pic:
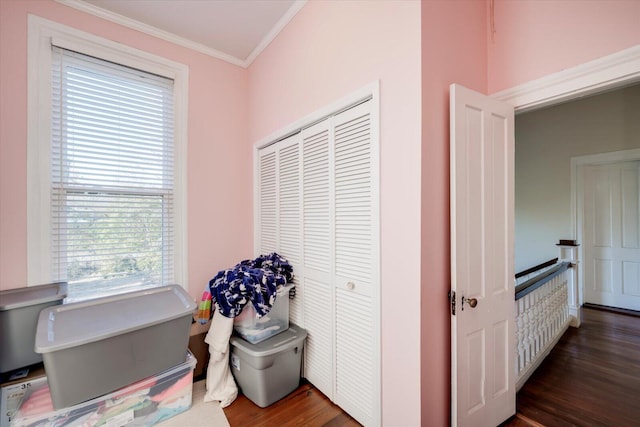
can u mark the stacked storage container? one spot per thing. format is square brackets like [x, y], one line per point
[94, 347]
[20, 365]
[254, 329]
[19, 310]
[269, 370]
[143, 403]
[117, 360]
[266, 352]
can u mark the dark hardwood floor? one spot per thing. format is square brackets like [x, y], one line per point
[590, 378]
[306, 406]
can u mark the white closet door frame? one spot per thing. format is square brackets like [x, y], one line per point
[370, 92]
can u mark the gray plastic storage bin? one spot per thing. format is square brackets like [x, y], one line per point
[19, 310]
[94, 347]
[269, 370]
[142, 404]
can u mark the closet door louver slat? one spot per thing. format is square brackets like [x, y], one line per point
[267, 183]
[318, 296]
[290, 218]
[289, 203]
[315, 191]
[354, 389]
[354, 364]
[318, 365]
[353, 205]
[279, 210]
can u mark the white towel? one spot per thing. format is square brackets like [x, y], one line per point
[220, 383]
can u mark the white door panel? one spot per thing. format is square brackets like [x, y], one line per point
[355, 264]
[267, 212]
[483, 338]
[611, 235]
[318, 352]
[317, 219]
[278, 210]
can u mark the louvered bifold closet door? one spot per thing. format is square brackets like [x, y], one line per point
[290, 217]
[317, 262]
[267, 200]
[279, 210]
[319, 207]
[357, 346]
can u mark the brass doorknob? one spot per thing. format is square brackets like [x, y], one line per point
[471, 301]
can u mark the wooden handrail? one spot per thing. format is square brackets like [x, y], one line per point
[536, 268]
[533, 284]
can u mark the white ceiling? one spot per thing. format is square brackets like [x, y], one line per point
[233, 30]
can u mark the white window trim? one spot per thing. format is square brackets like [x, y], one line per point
[41, 34]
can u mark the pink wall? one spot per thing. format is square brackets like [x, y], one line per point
[219, 190]
[534, 38]
[462, 59]
[329, 50]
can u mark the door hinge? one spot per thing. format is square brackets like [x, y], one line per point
[452, 301]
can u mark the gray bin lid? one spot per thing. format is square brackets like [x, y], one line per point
[11, 299]
[276, 344]
[75, 324]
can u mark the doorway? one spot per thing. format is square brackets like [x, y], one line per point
[553, 144]
[550, 144]
[608, 73]
[608, 223]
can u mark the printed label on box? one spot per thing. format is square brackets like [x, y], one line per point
[11, 397]
[121, 419]
[235, 362]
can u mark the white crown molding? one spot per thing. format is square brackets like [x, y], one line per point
[150, 30]
[288, 16]
[611, 71]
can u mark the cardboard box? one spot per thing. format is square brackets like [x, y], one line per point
[199, 348]
[12, 392]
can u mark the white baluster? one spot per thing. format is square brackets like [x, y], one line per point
[527, 329]
[541, 316]
[520, 335]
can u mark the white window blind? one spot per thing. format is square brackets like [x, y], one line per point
[112, 172]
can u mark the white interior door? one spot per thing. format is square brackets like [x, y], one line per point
[611, 235]
[482, 215]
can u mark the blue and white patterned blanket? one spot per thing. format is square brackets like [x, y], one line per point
[254, 281]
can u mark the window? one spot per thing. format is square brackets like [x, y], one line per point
[111, 174]
[111, 213]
